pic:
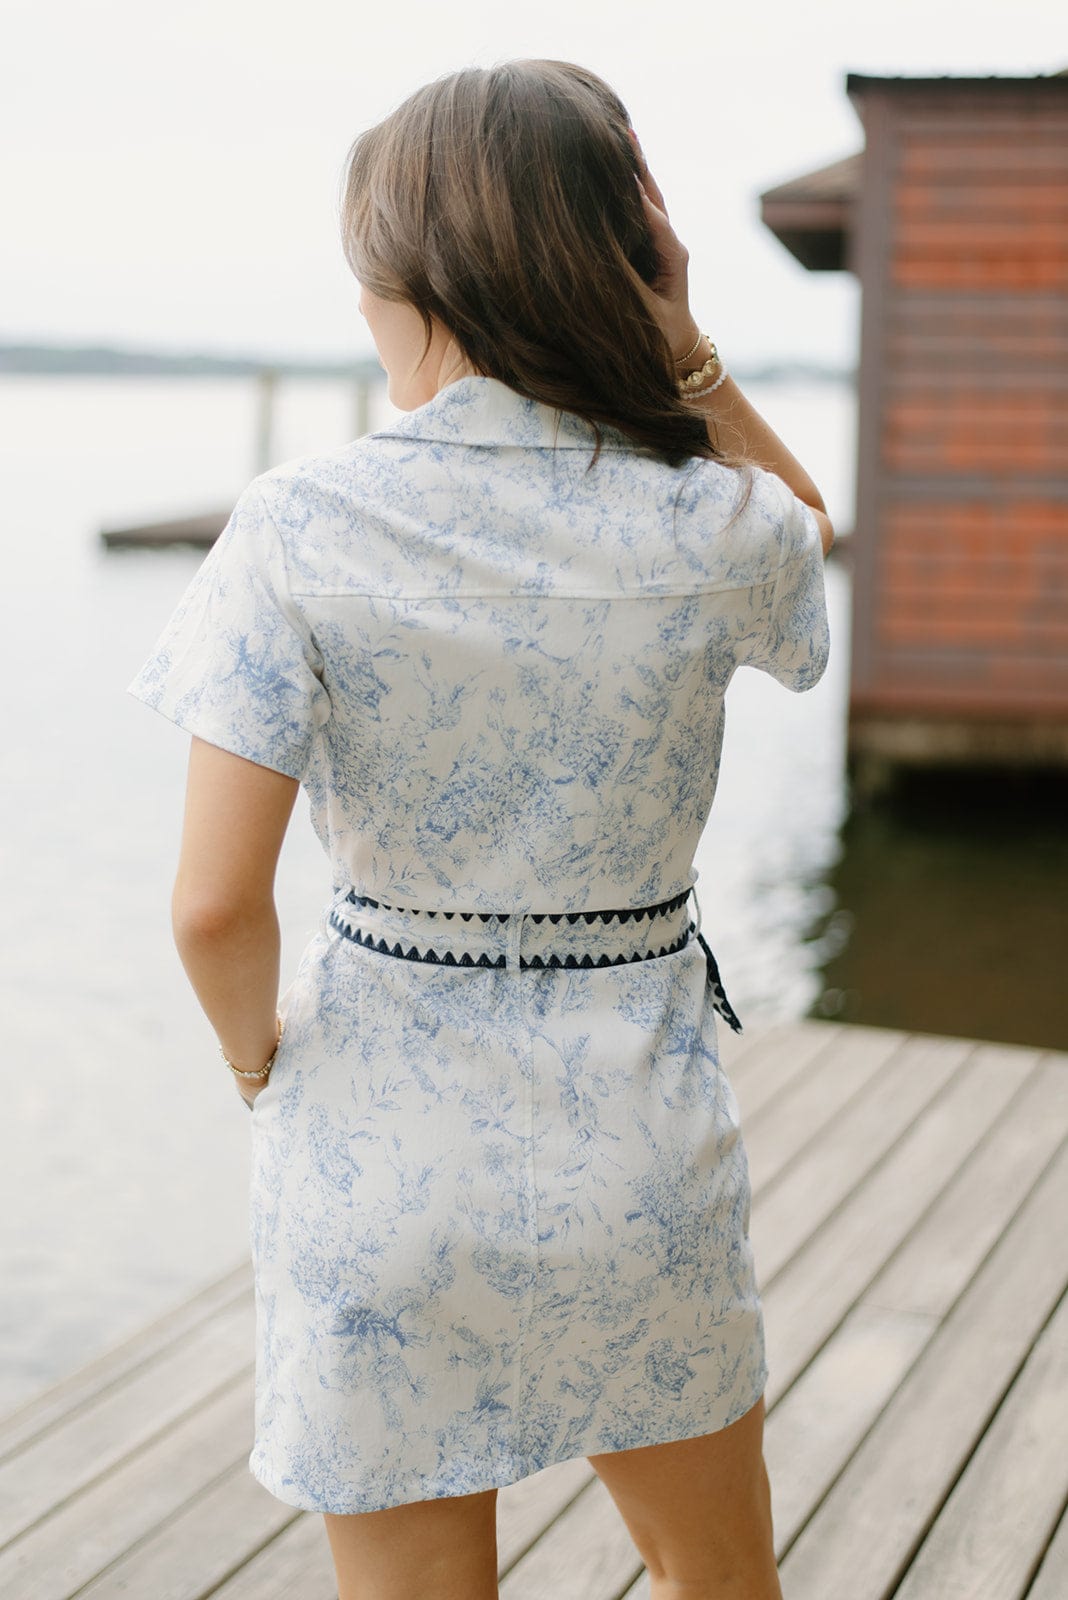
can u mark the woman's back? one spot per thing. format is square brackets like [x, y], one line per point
[500, 1199]
[500, 675]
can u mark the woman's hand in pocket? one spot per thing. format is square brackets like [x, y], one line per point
[248, 1092]
[249, 1088]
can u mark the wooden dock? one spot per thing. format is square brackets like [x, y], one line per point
[200, 529]
[910, 1223]
[203, 528]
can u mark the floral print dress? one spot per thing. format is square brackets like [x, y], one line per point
[499, 1212]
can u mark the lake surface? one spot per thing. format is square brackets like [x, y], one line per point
[124, 1148]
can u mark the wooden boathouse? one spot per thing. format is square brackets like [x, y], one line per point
[955, 219]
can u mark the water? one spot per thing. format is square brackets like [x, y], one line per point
[123, 1152]
[948, 910]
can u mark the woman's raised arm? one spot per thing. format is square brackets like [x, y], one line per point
[669, 300]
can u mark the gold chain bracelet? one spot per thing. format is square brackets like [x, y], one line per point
[682, 360]
[265, 1069]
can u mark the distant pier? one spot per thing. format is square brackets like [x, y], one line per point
[203, 528]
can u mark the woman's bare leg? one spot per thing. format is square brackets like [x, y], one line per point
[699, 1512]
[429, 1550]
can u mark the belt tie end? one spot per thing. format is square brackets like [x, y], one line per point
[719, 996]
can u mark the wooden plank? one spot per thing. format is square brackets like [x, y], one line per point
[916, 315]
[735, 1047]
[935, 1264]
[1051, 1580]
[1039, 197]
[814, 1292]
[526, 1508]
[194, 1552]
[200, 529]
[814, 1428]
[820, 1421]
[87, 1533]
[640, 1589]
[780, 1130]
[298, 1561]
[1010, 131]
[803, 1195]
[585, 1554]
[57, 1402]
[869, 1526]
[296, 1565]
[99, 1434]
[1007, 1502]
[782, 1059]
[94, 1530]
[742, 1055]
[962, 159]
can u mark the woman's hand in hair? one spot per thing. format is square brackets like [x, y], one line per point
[668, 297]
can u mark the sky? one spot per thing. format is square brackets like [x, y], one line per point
[170, 174]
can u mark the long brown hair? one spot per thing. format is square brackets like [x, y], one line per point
[502, 201]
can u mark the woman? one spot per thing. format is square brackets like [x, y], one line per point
[500, 1199]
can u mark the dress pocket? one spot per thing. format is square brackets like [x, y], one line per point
[274, 1077]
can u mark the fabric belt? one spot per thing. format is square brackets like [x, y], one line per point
[528, 940]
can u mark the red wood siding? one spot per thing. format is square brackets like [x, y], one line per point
[963, 489]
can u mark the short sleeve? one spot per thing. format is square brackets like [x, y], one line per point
[788, 633]
[236, 664]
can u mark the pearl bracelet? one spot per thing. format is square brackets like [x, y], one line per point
[265, 1069]
[699, 394]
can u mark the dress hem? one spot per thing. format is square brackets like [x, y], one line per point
[502, 1478]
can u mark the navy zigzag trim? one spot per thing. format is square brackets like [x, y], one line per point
[466, 959]
[622, 914]
[572, 962]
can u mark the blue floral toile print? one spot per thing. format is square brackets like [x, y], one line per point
[499, 1217]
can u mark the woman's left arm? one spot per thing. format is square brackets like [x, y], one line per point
[222, 909]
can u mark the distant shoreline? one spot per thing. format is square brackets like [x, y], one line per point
[112, 361]
[106, 361]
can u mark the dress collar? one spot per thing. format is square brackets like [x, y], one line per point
[484, 411]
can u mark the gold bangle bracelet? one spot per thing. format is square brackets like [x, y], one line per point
[683, 359]
[265, 1069]
[697, 380]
